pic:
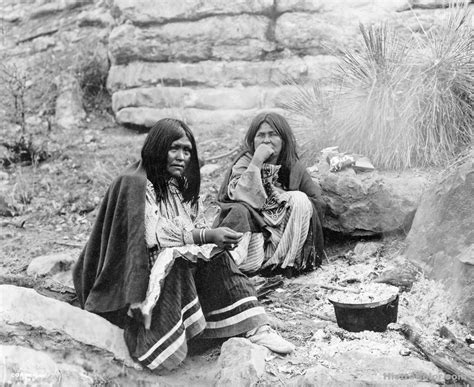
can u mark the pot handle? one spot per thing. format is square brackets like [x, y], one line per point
[391, 304]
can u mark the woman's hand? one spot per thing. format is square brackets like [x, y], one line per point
[223, 237]
[262, 154]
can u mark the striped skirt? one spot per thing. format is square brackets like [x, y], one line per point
[210, 299]
[284, 246]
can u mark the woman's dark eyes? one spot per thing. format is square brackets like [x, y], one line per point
[177, 148]
[272, 134]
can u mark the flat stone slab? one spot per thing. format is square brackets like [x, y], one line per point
[147, 117]
[356, 368]
[219, 73]
[22, 306]
[224, 98]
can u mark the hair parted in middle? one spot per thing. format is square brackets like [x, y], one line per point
[288, 155]
[155, 157]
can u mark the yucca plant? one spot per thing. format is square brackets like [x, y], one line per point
[310, 110]
[402, 102]
[371, 117]
[443, 86]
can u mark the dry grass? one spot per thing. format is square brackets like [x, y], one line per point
[444, 88]
[402, 103]
[310, 110]
[23, 191]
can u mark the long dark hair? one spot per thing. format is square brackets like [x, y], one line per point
[155, 157]
[288, 155]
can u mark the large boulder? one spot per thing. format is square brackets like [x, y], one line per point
[370, 203]
[27, 317]
[441, 239]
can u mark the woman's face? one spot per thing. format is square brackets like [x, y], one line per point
[267, 135]
[179, 156]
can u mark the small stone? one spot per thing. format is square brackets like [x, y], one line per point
[33, 121]
[50, 264]
[96, 18]
[470, 339]
[65, 279]
[363, 164]
[6, 209]
[89, 138]
[367, 249]
[320, 324]
[276, 323]
[43, 43]
[242, 363]
[394, 327]
[75, 376]
[313, 170]
[405, 352]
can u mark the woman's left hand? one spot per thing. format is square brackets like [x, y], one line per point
[224, 237]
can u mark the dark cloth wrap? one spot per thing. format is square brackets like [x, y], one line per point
[113, 270]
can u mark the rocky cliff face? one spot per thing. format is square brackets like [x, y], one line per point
[216, 62]
[204, 61]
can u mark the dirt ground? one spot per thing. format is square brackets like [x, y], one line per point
[55, 205]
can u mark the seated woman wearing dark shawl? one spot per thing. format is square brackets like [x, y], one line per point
[269, 196]
[153, 267]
